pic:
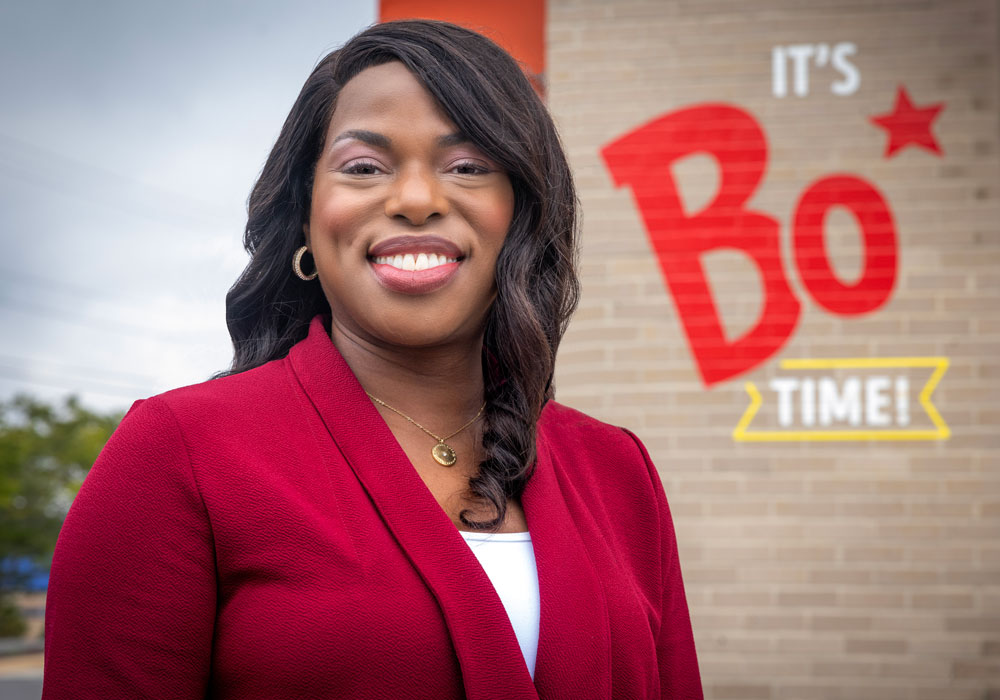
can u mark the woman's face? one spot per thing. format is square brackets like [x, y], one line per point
[407, 217]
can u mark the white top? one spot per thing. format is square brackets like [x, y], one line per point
[509, 560]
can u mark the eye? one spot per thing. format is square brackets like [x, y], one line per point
[361, 167]
[469, 167]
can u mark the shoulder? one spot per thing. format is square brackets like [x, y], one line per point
[596, 449]
[209, 411]
[570, 428]
[264, 389]
[235, 392]
[161, 440]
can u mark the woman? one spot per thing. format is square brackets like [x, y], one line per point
[380, 500]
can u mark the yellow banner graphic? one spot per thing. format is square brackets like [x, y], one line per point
[844, 403]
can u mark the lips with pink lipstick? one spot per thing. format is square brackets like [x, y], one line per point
[414, 264]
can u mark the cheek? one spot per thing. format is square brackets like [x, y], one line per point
[493, 219]
[336, 222]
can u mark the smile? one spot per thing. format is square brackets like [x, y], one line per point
[411, 262]
[414, 273]
[415, 264]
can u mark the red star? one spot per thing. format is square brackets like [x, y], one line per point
[907, 125]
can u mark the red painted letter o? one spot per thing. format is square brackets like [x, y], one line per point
[878, 231]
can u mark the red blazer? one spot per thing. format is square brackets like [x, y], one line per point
[264, 536]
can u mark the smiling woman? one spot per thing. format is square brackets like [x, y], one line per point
[398, 180]
[381, 499]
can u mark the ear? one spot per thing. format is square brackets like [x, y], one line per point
[305, 232]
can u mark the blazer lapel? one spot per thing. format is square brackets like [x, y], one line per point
[574, 645]
[484, 641]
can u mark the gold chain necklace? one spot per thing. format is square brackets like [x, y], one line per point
[442, 452]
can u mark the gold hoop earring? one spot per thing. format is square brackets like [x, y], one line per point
[297, 265]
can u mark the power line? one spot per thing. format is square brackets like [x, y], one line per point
[76, 290]
[72, 384]
[35, 309]
[22, 159]
[31, 363]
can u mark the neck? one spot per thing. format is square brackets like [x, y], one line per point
[443, 384]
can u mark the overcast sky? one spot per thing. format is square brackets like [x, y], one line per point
[130, 135]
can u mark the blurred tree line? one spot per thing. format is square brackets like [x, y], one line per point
[45, 453]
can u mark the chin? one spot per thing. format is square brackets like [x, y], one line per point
[427, 332]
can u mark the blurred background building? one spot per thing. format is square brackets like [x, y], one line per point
[791, 274]
[790, 268]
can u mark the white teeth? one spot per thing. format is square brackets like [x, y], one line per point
[413, 262]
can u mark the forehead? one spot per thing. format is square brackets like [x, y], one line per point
[387, 96]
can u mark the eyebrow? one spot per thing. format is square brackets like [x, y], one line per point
[381, 141]
[369, 137]
[453, 139]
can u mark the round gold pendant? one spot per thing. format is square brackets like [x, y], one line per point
[444, 455]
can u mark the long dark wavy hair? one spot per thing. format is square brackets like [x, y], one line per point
[487, 95]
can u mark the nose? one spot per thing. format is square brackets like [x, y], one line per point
[416, 196]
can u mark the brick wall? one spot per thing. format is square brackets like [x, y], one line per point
[816, 566]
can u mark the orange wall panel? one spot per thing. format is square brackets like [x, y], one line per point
[517, 25]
